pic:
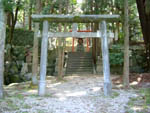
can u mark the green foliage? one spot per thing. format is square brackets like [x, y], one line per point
[147, 96]
[19, 96]
[10, 5]
[27, 106]
[147, 7]
[115, 94]
[138, 60]
[146, 93]
[21, 37]
[12, 74]
[46, 9]
[116, 55]
[12, 105]
[73, 1]
[142, 101]
[21, 43]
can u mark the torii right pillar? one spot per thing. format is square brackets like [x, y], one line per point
[105, 55]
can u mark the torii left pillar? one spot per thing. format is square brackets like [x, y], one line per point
[43, 60]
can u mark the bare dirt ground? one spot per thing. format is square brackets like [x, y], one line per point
[137, 80]
[74, 94]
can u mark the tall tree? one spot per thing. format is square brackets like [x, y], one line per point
[30, 13]
[144, 15]
[35, 61]
[60, 48]
[2, 44]
[126, 46]
[12, 8]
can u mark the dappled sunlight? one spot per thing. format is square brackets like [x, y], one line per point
[71, 94]
[137, 81]
[63, 96]
[59, 94]
[134, 83]
[72, 77]
[13, 84]
[95, 89]
[137, 108]
[32, 91]
[67, 91]
[53, 85]
[119, 86]
[79, 1]
[76, 94]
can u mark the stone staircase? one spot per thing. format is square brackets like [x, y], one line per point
[79, 63]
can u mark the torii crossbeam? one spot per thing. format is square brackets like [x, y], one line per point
[101, 19]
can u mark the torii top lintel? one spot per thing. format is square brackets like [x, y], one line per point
[75, 18]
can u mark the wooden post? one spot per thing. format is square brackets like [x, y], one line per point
[43, 62]
[75, 27]
[35, 56]
[87, 43]
[73, 44]
[105, 54]
[74, 30]
[126, 72]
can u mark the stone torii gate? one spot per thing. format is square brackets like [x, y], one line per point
[101, 19]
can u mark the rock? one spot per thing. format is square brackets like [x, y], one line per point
[28, 76]
[24, 68]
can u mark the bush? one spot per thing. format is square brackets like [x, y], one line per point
[116, 55]
[138, 61]
[116, 59]
[21, 37]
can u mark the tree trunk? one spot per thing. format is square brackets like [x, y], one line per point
[2, 45]
[126, 46]
[144, 15]
[12, 28]
[35, 60]
[30, 13]
[8, 19]
[60, 49]
[93, 46]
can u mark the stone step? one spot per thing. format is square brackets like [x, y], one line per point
[79, 70]
[81, 73]
[80, 65]
[79, 60]
[83, 67]
[79, 54]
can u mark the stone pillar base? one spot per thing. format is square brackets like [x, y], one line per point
[107, 89]
[41, 90]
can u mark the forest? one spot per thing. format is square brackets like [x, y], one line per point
[69, 56]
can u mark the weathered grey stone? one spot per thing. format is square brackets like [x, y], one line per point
[105, 54]
[28, 76]
[35, 61]
[2, 46]
[75, 18]
[43, 62]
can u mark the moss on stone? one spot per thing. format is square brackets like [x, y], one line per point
[33, 86]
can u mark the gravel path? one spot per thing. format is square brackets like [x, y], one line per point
[75, 94]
